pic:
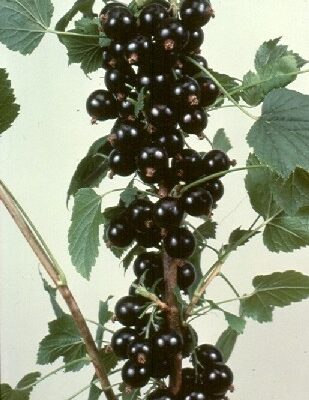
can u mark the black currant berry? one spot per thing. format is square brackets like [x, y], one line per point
[120, 232]
[126, 107]
[209, 91]
[150, 264]
[101, 105]
[112, 59]
[127, 136]
[122, 164]
[185, 275]
[216, 161]
[167, 343]
[160, 367]
[171, 35]
[186, 92]
[152, 157]
[140, 214]
[109, 6]
[118, 23]
[168, 212]
[171, 140]
[197, 201]
[196, 38]
[179, 243]
[150, 17]
[137, 49]
[195, 13]
[139, 351]
[190, 339]
[161, 115]
[115, 81]
[161, 394]
[217, 379]
[150, 237]
[188, 165]
[197, 393]
[128, 310]
[135, 375]
[207, 355]
[215, 188]
[121, 340]
[188, 68]
[189, 378]
[193, 121]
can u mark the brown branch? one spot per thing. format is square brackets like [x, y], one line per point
[67, 295]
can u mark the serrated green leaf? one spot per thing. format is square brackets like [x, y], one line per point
[28, 380]
[91, 169]
[94, 392]
[207, 229]
[221, 141]
[127, 260]
[110, 213]
[292, 194]
[8, 108]
[253, 93]
[139, 105]
[280, 137]
[84, 231]
[103, 317]
[279, 289]
[235, 322]
[83, 45]
[23, 23]
[237, 238]
[22, 390]
[64, 341]
[226, 343]
[52, 296]
[228, 82]
[195, 259]
[83, 6]
[287, 232]
[129, 194]
[108, 359]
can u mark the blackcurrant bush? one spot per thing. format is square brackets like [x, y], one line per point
[171, 140]
[196, 38]
[216, 161]
[179, 243]
[185, 275]
[215, 188]
[101, 105]
[209, 91]
[122, 164]
[186, 92]
[121, 340]
[127, 136]
[168, 212]
[217, 379]
[193, 121]
[139, 351]
[150, 264]
[150, 17]
[118, 23]
[171, 35]
[150, 237]
[128, 310]
[167, 343]
[161, 394]
[140, 214]
[188, 165]
[195, 13]
[135, 375]
[120, 232]
[207, 355]
[197, 201]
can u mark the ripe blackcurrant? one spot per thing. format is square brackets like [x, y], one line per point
[122, 164]
[167, 343]
[185, 276]
[161, 115]
[179, 243]
[216, 161]
[138, 49]
[209, 91]
[128, 310]
[171, 140]
[186, 92]
[217, 379]
[121, 340]
[127, 136]
[190, 338]
[197, 393]
[150, 237]
[196, 38]
[207, 355]
[101, 105]
[161, 394]
[215, 188]
[120, 232]
[118, 23]
[168, 212]
[152, 157]
[193, 121]
[126, 108]
[191, 69]
[150, 264]
[197, 201]
[171, 35]
[188, 165]
[139, 351]
[115, 81]
[150, 17]
[140, 214]
[135, 375]
[195, 13]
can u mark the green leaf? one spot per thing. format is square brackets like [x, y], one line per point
[195, 259]
[135, 251]
[110, 213]
[229, 83]
[94, 392]
[23, 23]
[8, 108]
[139, 105]
[287, 233]
[293, 193]
[21, 391]
[52, 295]
[221, 141]
[235, 322]
[91, 169]
[129, 194]
[84, 47]
[103, 317]
[84, 231]
[207, 229]
[83, 6]
[64, 341]
[280, 137]
[253, 93]
[108, 359]
[279, 289]
[237, 238]
[226, 343]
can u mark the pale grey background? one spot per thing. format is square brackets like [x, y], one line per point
[38, 156]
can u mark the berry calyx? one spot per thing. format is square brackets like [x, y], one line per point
[188, 165]
[186, 92]
[139, 351]
[172, 35]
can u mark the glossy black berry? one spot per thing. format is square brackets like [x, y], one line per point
[189, 68]
[209, 91]
[215, 188]
[122, 164]
[140, 214]
[150, 17]
[111, 59]
[190, 339]
[193, 121]
[150, 265]
[171, 35]
[161, 115]
[120, 232]
[161, 394]
[179, 243]
[135, 375]
[138, 49]
[128, 310]
[188, 165]
[216, 161]
[167, 343]
[197, 393]
[115, 80]
[170, 139]
[196, 38]
[127, 136]
[150, 237]
[126, 107]
[186, 92]
[109, 6]
[101, 105]
[217, 379]
[118, 23]
[197, 201]
[168, 212]
[152, 157]
[160, 367]
[140, 351]
[195, 13]
[207, 355]
[185, 275]
[189, 378]
[121, 340]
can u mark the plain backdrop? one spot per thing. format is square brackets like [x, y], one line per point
[38, 157]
